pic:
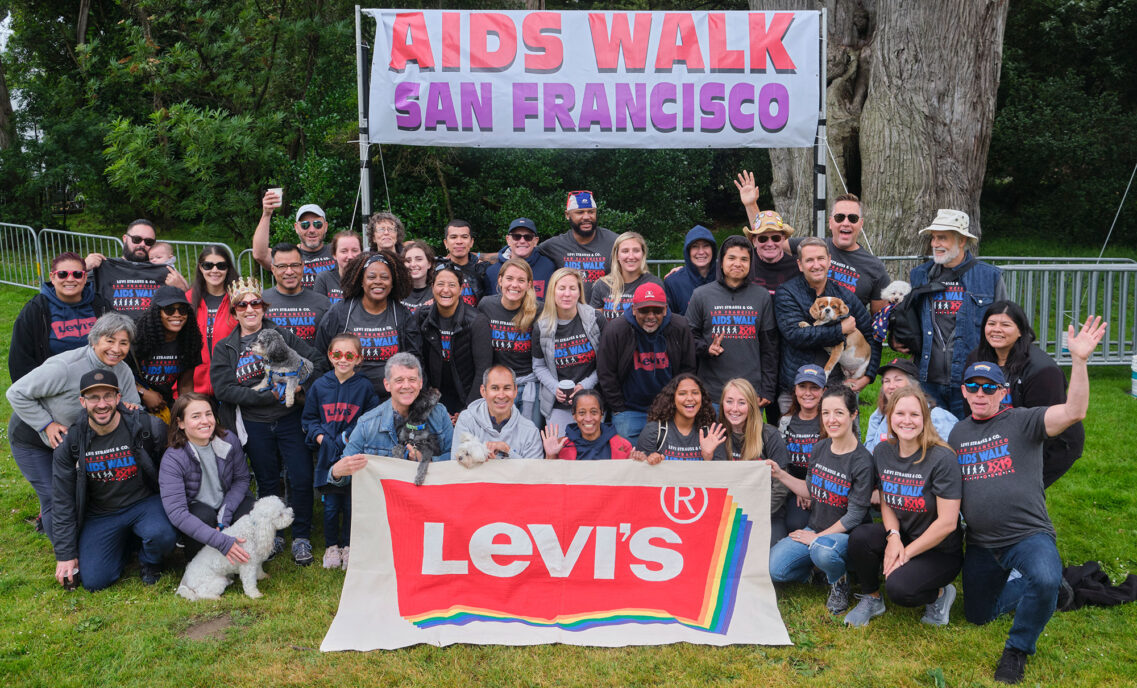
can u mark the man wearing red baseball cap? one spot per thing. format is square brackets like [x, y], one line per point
[639, 353]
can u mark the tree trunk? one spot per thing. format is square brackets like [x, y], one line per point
[911, 102]
[81, 24]
[7, 125]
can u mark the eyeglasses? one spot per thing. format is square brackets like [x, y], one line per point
[345, 355]
[98, 398]
[176, 309]
[245, 305]
[840, 217]
[381, 229]
[149, 241]
[74, 274]
[763, 238]
[318, 224]
[219, 265]
[989, 388]
[288, 266]
[518, 236]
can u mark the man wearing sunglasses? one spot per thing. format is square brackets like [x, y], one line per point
[639, 354]
[586, 246]
[1000, 452]
[521, 242]
[129, 283]
[311, 227]
[950, 318]
[293, 307]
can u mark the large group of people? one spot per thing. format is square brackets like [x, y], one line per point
[139, 409]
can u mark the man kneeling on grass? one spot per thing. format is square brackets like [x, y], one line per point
[1008, 529]
[105, 486]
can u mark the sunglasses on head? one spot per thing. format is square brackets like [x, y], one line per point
[840, 217]
[244, 305]
[522, 236]
[149, 241]
[219, 265]
[763, 238]
[345, 355]
[175, 308]
[988, 388]
[305, 224]
[74, 274]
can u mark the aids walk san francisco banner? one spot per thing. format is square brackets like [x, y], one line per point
[595, 79]
[517, 552]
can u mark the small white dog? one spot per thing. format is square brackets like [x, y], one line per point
[208, 574]
[470, 451]
[895, 292]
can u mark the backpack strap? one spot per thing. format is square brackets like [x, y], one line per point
[660, 435]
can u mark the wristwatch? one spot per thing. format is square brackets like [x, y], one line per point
[890, 532]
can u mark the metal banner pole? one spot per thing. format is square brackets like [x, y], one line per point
[364, 141]
[821, 143]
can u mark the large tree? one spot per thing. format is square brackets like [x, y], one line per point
[911, 100]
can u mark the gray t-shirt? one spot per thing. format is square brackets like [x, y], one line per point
[1001, 462]
[328, 284]
[675, 446]
[612, 306]
[840, 486]
[512, 348]
[858, 271]
[910, 489]
[592, 259]
[316, 262]
[801, 436]
[210, 492]
[298, 313]
[945, 308]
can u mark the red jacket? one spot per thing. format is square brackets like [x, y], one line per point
[223, 324]
[620, 448]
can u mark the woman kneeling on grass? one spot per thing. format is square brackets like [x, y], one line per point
[839, 483]
[920, 542]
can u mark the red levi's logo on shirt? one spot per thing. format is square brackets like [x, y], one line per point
[570, 556]
[652, 360]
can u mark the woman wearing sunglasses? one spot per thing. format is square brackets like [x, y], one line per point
[209, 303]
[166, 351]
[271, 430]
[56, 319]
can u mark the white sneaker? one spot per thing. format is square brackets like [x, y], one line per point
[344, 552]
[333, 557]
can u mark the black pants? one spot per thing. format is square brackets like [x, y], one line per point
[914, 584]
[208, 514]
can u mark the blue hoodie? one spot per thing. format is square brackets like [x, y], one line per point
[70, 322]
[543, 269]
[682, 284]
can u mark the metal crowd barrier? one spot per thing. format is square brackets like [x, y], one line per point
[251, 268]
[52, 242]
[19, 256]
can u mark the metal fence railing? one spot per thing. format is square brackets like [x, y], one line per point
[19, 256]
[251, 268]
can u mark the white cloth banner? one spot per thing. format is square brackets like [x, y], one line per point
[524, 552]
[595, 79]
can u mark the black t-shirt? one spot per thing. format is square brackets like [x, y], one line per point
[113, 480]
[910, 489]
[212, 305]
[773, 447]
[316, 262]
[129, 286]
[1001, 462]
[161, 368]
[800, 436]
[511, 348]
[472, 283]
[945, 309]
[419, 298]
[574, 357]
[298, 313]
[840, 486]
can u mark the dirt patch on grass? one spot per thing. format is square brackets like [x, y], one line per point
[212, 628]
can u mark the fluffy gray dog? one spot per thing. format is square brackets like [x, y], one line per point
[282, 365]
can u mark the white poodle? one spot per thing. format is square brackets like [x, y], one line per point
[207, 575]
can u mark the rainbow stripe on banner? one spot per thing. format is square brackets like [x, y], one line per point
[723, 576]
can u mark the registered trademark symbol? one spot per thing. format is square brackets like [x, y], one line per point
[683, 506]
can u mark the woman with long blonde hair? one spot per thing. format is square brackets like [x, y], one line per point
[566, 337]
[511, 311]
[612, 294]
[920, 543]
[749, 439]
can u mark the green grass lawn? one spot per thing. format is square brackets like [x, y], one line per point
[131, 635]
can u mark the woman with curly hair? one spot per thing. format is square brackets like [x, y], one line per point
[684, 426]
[166, 351]
[209, 303]
[373, 285]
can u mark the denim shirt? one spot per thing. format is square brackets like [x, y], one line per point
[375, 433]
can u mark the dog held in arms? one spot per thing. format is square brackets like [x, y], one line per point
[281, 364]
[854, 353]
[416, 433]
[207, 575]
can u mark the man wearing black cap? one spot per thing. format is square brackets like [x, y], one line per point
[105, 489]
[521, 242]
[1004, 503]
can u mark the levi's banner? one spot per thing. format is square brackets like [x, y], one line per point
[523, 552]
[595, 79]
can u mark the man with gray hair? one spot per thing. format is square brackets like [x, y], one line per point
[377, 431]
[494, 420]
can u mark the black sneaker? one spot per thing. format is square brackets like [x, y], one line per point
[39, 525]
[302, 552]
[150, 573]
[1012, 666]
[838, 596]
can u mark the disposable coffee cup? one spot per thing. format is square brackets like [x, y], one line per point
[566, 386]
[279, 191]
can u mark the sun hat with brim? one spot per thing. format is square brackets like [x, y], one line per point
[951, 221]
[769, 221]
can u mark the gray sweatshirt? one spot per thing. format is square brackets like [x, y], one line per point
[745, 318]
[518, 432]
[51, 391]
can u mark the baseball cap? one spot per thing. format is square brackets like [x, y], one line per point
[904, 365]
[310, 208]
[97, 378]
[168, 296]
[579, 200]
[523, 223]
[990, 371]
[649, 294]
[810, 373]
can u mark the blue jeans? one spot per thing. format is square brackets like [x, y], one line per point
[268, 444]
[629, 424]
[531, 410]
[948, 397]
[34, 462]
[337, 506]
[791, 561]
[988, 594]
[104, 538]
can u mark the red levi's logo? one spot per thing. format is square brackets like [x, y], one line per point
[570, 556]
[652, 360]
